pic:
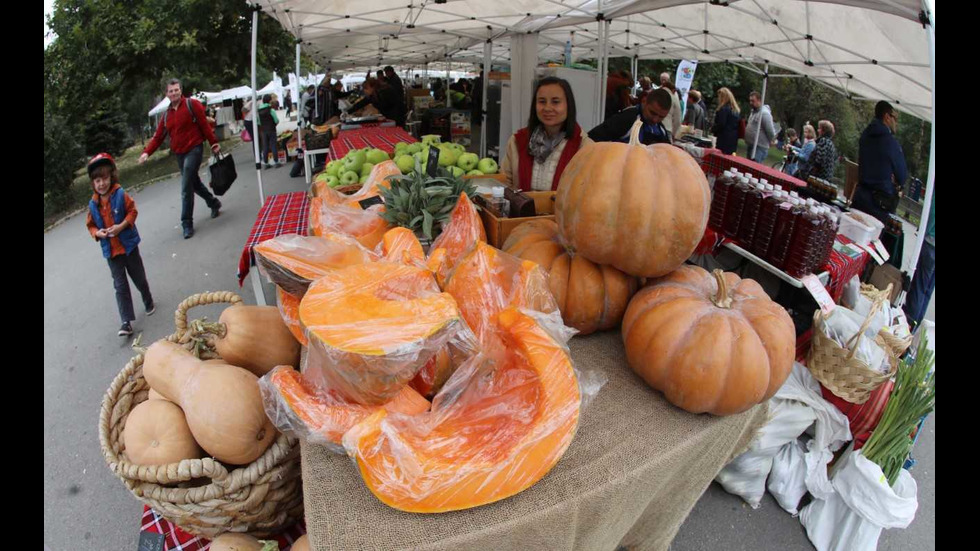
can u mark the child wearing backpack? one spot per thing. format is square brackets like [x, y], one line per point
[112, 223]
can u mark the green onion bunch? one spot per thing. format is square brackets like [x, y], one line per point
[913, 397]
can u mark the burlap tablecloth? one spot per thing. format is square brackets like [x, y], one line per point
[635, 470]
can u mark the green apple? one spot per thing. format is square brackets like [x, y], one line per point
[333, 167]
[406, 163]
[431, 138]
[487, 166]
[456, 171]
[355, 160]
[349, 177]
[413, 148]
[366, 169]
[447, 157]
[376, 156]
[474, 172]
[362, 179]
[468, 161]
[333, 181]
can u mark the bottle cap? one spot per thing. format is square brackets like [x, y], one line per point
[764, 181]
[770, 187]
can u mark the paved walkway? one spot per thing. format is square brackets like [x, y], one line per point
[86, 506]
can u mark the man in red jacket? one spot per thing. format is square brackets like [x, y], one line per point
[186, 123]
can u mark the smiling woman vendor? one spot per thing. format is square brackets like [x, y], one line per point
[538, 154]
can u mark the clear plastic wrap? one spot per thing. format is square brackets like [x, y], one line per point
[488, 280]
[298, 407]
[501, 422]
[362, 221]
[371, 188]
[400, 245]
[372, 327]
[289, 310]
[293, 261]
[462, 232]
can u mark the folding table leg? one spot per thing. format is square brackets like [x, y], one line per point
[257, 287]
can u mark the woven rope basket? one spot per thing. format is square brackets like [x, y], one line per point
[898, 346]
[203, 496]
[839, 369]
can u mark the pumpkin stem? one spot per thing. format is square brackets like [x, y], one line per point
[635, 131]
[721, 300]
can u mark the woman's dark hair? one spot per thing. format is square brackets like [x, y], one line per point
[533, 122]
[267, 98]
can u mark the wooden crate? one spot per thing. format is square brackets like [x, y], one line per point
[498, 229]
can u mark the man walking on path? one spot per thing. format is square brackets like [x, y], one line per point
[766, 131]
[187, 126]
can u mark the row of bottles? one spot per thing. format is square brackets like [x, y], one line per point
[791, 233]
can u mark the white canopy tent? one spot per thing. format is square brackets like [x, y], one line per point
[864, 49]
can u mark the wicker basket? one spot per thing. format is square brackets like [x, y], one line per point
[838, 368]
[897, 345]
[203, 496]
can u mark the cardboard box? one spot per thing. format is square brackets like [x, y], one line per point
[885, 274]
[498, 229]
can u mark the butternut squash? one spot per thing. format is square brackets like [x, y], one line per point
[256, 338]
[156, 433]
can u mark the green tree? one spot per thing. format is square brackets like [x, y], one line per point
[62, 156]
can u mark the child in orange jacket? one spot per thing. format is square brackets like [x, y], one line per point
[112, 222]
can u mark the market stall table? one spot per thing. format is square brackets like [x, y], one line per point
[633, 473]
[281, 214]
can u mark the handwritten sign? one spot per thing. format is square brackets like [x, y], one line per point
[819, 293]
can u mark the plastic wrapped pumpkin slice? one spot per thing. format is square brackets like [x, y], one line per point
[377, 180]
[372, 327]
[507, 429]
[293, 261]
[462, 232]
[360, 220]
[400, 245]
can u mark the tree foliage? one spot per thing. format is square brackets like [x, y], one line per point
[62, 154]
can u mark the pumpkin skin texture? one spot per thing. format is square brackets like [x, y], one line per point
[256, 339]
[372, 327]
[293, 261]
[156, 433]
[235, 542]
[302, 544]
[505, 431]
[154, 395]
[709, 351]
[221, 402]
[323, 416]
[591, 297]
[641, 209]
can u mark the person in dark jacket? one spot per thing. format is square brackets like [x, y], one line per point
[823, 161]
[268, 120]
[695, 117]
[881, 165]
[655, 107]
[726, 121]
[384, 99]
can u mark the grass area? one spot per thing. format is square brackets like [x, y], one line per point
[775, 154]
[132, 175]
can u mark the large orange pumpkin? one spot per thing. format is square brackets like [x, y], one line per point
[641, 209]
[590, 297]
[710, 342]
[372, 327]
[504, 432]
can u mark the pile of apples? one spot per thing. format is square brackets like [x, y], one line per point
[453, 157]
[354, 168]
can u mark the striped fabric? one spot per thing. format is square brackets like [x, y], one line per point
[176, 539]
[383, 138]
[281, 214]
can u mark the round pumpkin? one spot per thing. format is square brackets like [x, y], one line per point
[710, 342]
[641, 209]
[156, 433]
[591, 297]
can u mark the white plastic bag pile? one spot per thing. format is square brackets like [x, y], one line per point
[792, 469]
[846, 320]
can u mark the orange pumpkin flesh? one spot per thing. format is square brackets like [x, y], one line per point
[373, 326]
[400, 245]
[590, 297]
[709, 346]
[365, 225]
[298, 404]
[500, 437]
[462, 232]
[641, 209]
[293, 261]
[289, 310]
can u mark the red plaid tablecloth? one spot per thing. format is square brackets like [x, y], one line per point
[716, 162]
[283, 213]
[380, 138]
[841, 267]
[176, 539]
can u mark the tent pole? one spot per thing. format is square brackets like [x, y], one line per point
[487, 62]
[449, 95]
[605, 66]
[255, 105]
[758, 128]
[931, 178]
[297, 94]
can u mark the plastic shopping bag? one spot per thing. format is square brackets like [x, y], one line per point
[863, 504]
[223, 172]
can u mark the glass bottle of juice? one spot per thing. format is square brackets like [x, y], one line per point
[750, 216]
[722, 186]
[782, 233]
[806, 241]
[733, 210]
[765, 224]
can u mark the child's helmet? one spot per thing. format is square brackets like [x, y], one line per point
[99, 160]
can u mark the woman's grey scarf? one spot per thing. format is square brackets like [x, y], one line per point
[541, 145]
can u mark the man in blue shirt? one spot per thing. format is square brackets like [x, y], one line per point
[881, 165]
[656, 106]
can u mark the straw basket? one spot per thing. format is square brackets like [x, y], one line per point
[203, 496]
[897, 345]
[839, 369]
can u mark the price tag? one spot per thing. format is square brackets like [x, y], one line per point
[371, 201]
[150, 541]
[432, 163]
[819, 293]
[874, 254]
[881, 249]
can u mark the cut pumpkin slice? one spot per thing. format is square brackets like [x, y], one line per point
[400, 245]
[293, 261]
[294, 404]
[462, 232]
[363, 222]
[372, 327]
[289, 310]
[503, 434]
